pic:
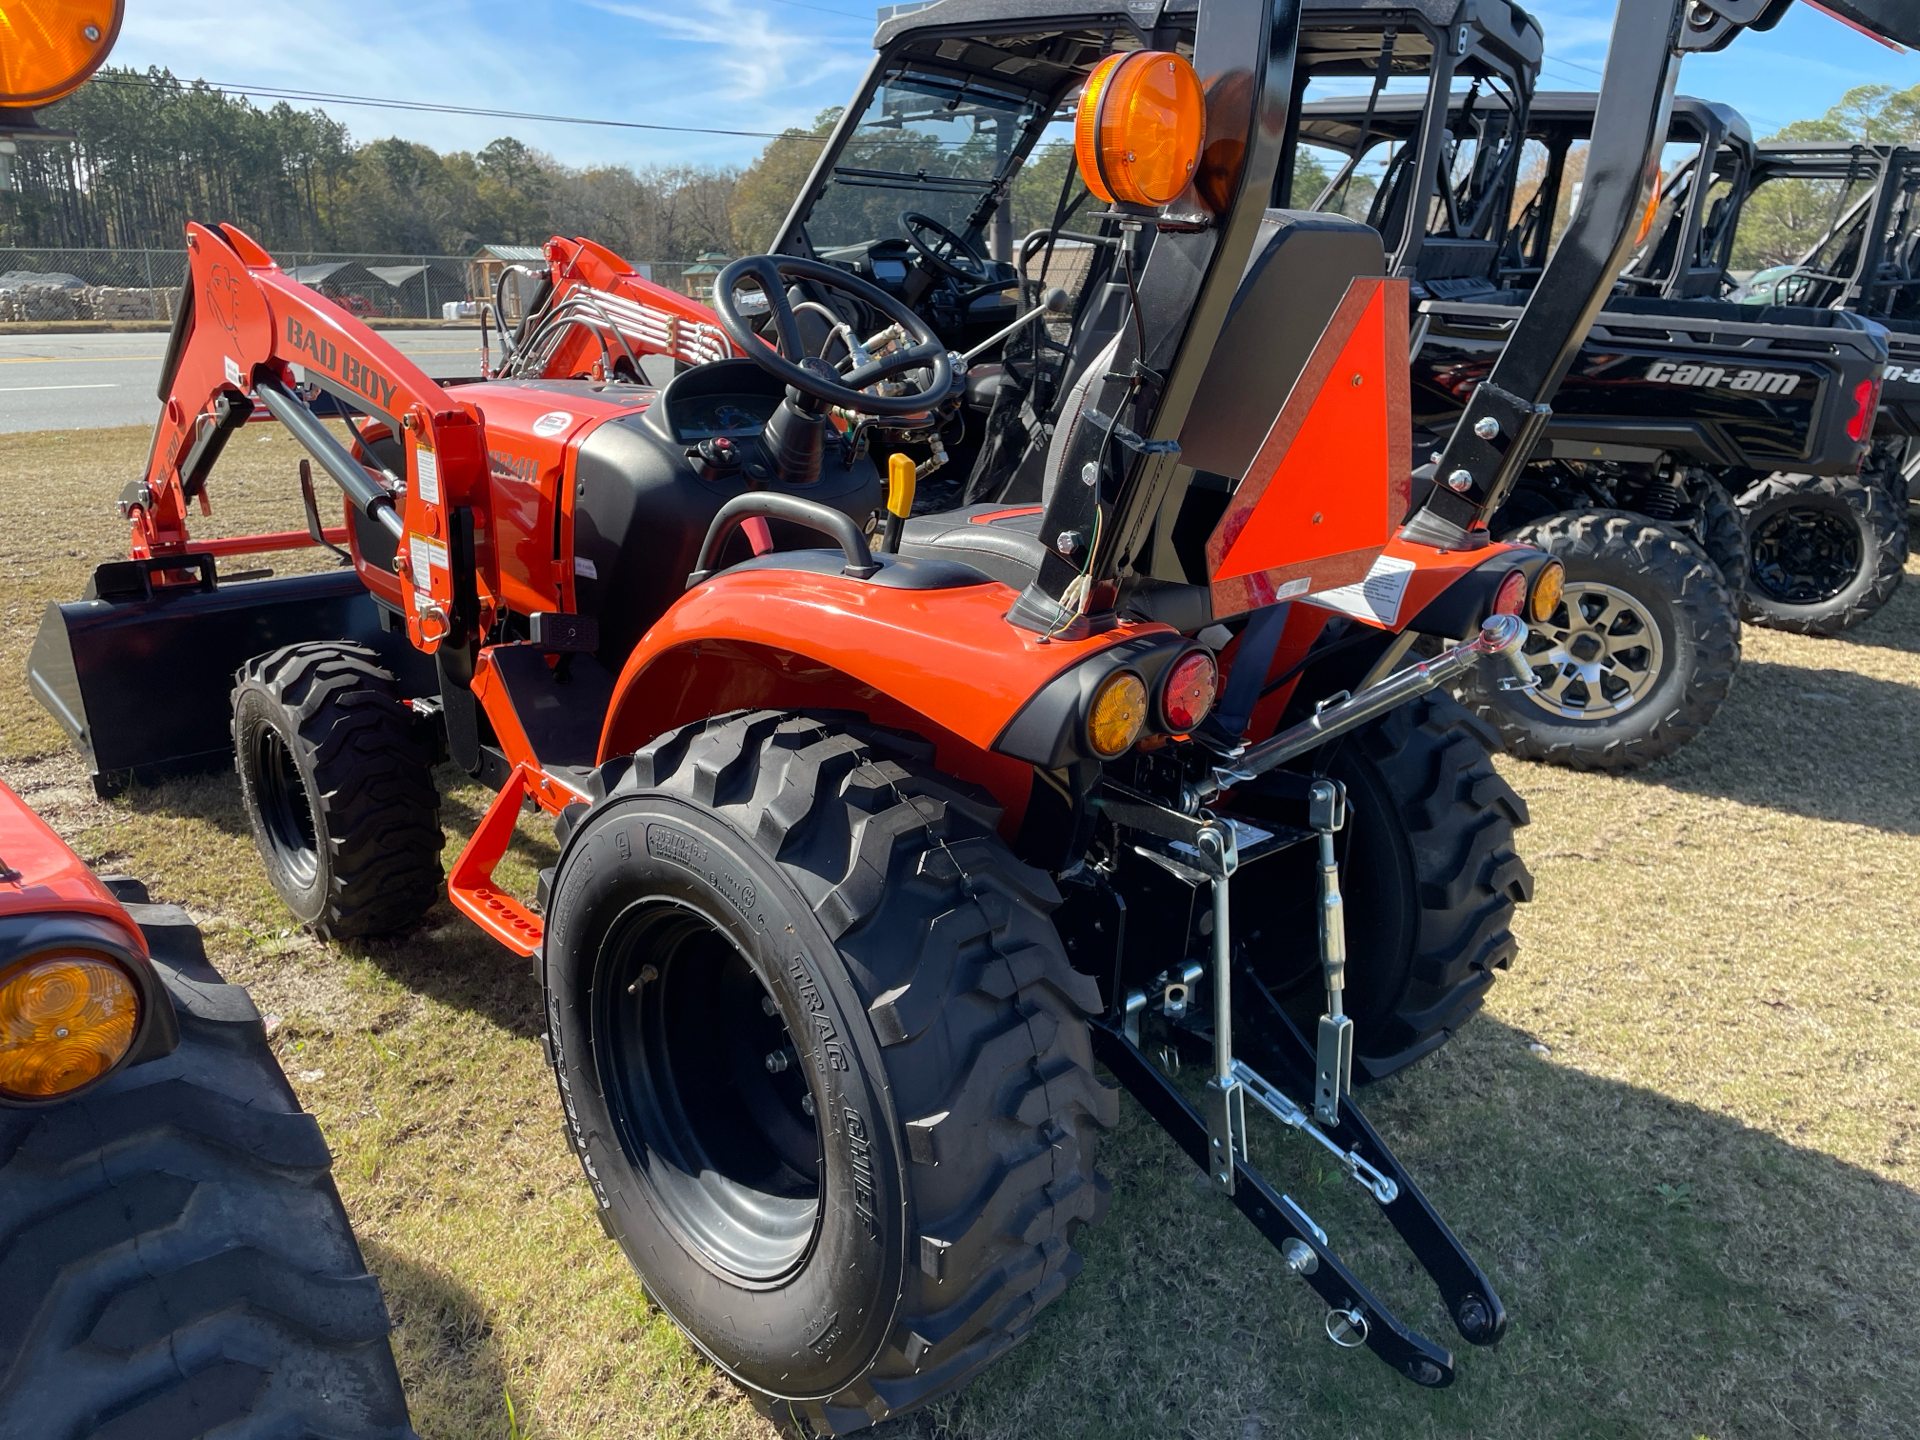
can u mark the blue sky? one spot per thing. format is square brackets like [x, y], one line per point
[762, 64]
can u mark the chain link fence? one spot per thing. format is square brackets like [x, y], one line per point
[42, 285]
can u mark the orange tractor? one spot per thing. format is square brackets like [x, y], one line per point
[871, 852]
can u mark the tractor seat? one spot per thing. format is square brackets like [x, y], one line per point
[997, 540]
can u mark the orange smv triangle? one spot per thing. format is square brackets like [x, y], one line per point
[1331, 480]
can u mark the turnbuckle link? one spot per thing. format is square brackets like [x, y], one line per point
[1275, 1102]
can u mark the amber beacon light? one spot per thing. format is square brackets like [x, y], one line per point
[1139, 129]
[48, 48]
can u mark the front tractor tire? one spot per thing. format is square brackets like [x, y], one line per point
[336, 772]
[823, 1060]
[1635, 662]
[1826, 552]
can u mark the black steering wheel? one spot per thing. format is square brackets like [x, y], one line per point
[816, 377]
[960, 262]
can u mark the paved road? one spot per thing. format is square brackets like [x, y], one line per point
[83, 382]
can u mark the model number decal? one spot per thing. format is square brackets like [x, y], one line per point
[1715, 377]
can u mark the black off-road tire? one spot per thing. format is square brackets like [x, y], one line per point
[1890, 464]
[1718, 529]
[336, 772]
[173, 1253]
[1684, 612]
[1827, 552]
[904, 959]
[1430, 876]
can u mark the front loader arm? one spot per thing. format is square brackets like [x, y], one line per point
[602, 315]
[243, 327]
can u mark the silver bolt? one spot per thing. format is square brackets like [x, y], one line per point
[61, 1033]
[92, 32]
[1067, 541]
[776, 1061]
[769, 1006]
[1090, 473]
[1486, 427]
[1434, 456]
[1460, 480]
[1358, 379]
[806, 1102]
[1300, 1257]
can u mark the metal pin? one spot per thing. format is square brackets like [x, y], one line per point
[1486, 427]
[1460, 480]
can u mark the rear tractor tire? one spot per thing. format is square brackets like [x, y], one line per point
[174, 1256]
[1637, 659]
[1827, 551]
[823, 1060]
[1431, 880]
[336, 772]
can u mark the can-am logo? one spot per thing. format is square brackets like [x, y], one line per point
[1763, 382]
[1910, 374]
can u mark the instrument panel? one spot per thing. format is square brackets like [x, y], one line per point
[706, 417]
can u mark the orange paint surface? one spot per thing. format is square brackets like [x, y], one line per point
[47, 877]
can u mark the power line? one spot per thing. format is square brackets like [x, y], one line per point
[319, 97]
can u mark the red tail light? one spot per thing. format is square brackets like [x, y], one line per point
[1866, 400]
[1187, 694]
[1512, 594]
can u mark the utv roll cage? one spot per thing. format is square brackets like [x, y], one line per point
[1868, 258]
[1495, 46]
[1693, 220]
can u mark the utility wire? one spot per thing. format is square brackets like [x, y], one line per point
[271, 92]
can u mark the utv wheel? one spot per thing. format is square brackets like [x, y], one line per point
[1891, 465]
[1826, 552]
[823, 1060]
[1636, 660]
[337, 776]
[1430, 877]
[173, 1253]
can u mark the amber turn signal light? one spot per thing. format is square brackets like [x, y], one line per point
[66, 1019]
[1138, 131]
[1545, 597]
[49, 47]
[1118, 712]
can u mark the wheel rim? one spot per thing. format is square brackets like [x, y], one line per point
[1804, 556]
[1599, 655]
[728, 1145]
[285, 810]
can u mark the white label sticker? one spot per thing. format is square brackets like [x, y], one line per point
[233, 369]
[552, 423]
[1375, 598]
[584, 568]
[427, 556]
[428, 471]
[1294, 588]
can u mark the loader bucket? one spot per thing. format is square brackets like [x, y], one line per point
[139, 676]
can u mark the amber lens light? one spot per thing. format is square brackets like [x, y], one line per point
[1547, 586]
[1512, 593]
[48, 47]
[1119, 710]
[1139, 128]
[1188, 691]
[1086, 126]
[65, 1020]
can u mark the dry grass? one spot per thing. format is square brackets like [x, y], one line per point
[1700, 1204]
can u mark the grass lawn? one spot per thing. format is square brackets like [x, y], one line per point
[1683, 1138]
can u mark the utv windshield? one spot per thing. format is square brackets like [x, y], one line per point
[925, 143]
